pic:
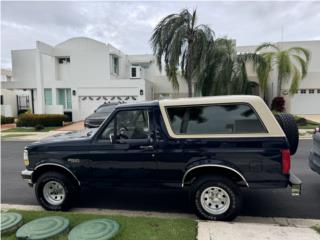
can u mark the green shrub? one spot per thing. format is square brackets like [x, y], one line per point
[6, 120]
[278, 104]
[38, 127]
[45, 120]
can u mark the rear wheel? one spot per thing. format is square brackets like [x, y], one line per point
[290, 128]
[55, 191]
[216, 198]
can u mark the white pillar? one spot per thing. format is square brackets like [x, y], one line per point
[39, 103]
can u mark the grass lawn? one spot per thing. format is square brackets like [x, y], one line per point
[308, 126]
[29, 129]
[131, 228]
[317, 228]
[14, 135]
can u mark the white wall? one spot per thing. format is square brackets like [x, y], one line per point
[9, 107]
[89, 61]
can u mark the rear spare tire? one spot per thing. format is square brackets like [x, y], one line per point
[290, 128]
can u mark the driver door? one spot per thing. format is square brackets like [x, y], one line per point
[124, 152]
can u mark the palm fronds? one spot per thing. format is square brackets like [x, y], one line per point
[180, 44]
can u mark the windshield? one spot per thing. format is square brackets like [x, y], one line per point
[106, 109]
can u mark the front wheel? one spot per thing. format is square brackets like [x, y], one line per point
[216, 198]
[55, 191]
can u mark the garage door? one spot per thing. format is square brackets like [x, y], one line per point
[306, 102]
[87, 104]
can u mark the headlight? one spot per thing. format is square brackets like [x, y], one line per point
[25, 157]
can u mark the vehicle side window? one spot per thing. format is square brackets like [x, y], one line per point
[214, 119]
[132, 124]
[109, 130]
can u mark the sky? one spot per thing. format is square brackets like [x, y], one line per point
[129, 25]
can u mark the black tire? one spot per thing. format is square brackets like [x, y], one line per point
[70, 187]
[221, 182]
[290, 128]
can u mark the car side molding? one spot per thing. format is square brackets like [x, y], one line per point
[58, 165]
[213, 166]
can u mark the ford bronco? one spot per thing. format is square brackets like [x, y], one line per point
[213, 146]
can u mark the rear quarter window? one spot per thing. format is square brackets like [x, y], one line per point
[214, 119]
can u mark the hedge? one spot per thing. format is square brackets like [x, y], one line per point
[46, 120]
[278, 104]
[6, 120]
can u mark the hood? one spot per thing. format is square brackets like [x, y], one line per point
[68, 136]
[100, 115]
[85, 133]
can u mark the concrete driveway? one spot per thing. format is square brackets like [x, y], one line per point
[72, 127]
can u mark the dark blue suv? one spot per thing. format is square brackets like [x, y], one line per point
[212, 146]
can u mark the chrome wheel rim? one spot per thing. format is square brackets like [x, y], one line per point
[54, 193]
[215, 200]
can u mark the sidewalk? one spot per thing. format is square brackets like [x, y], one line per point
[29, 136]
[36, 136]
[251, 228]
[72, 127]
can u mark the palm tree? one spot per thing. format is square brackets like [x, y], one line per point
[291, 64]
[225, 72]
[182, 44]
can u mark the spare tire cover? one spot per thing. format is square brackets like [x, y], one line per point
[290, 128]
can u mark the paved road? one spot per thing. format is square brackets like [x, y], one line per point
[269, 203]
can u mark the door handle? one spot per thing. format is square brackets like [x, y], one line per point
[146, 147]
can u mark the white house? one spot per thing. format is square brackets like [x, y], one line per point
[8, 99]
[76, 76]
[307, 100]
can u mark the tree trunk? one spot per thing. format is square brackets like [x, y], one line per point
[189, 69]
[279, 83]
[189, 82]
[279, 88]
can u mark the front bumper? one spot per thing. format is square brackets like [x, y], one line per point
[89, 125]
[295, 183]
[314, 162]
[27, 176]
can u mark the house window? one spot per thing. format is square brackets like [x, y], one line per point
[48, 96]
[311, 91]
[115, 65]
[1, 99]
[318, 91]
[135, 72]
[64, 98]
[303, 91]
[63, 60]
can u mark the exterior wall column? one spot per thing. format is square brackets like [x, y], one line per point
[39, 103]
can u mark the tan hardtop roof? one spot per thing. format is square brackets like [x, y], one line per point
[215, 99]
[260, 107]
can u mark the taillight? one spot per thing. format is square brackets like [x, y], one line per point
[285, 161]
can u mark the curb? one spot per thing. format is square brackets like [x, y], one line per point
[5, 207]
[279, 221]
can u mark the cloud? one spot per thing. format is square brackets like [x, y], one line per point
[129, 25]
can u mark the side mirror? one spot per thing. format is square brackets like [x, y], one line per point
[95, 110]
[112, 138]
